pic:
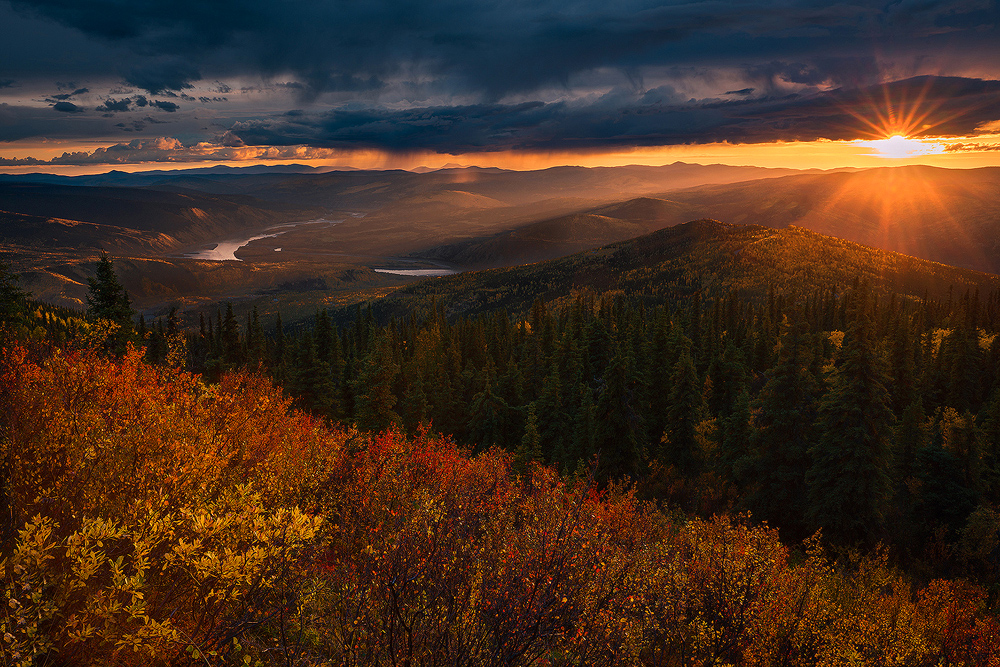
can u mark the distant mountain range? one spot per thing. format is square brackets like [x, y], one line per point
[346, 189]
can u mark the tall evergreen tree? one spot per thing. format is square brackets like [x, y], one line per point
[229, 335]
[785, 417]
[13, 299]
[108, 300]
[489, 415]
[679, 444]
[989, 418]
[375, 400]
[620, 432]
[530, 449]
[256, 347]
[553, 419]
[310, 379]
[849, 485]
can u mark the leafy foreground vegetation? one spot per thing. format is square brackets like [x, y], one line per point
[151, 519]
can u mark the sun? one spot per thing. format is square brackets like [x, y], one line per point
[898, 146]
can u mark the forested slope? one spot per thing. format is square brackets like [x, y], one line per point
[704, 255]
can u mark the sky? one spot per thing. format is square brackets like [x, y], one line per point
[90, 85]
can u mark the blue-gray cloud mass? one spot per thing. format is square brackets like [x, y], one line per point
[650, 119]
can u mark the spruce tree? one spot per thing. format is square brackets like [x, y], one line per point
[13, 300]
[530, 449]
[735, 438]
[107, 300]
[849, 485]
[229, 338]
[414, 406]
[962, 363]
[620, 432]
[489, 415]
[256, 348]
[785, 416]
[903, 389]
[374, 399]
[989, 418]
[553, 419]
[679, 444]
[584, 427]
[310, 379]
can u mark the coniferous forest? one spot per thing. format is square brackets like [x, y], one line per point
[798, 475]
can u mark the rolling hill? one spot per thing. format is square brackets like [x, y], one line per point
[945, 215]
[566, 234]
[33, 232]
[181, 218]
[705, 255]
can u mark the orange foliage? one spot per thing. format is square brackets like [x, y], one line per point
[112, 432]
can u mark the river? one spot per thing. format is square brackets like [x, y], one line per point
[226, 250]
[417, 272]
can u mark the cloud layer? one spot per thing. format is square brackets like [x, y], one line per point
[933, 106]
[469, 75]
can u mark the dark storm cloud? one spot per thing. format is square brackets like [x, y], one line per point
[22, 122]
[165, 106]
[948, 106]
[66, 96]
[162, 77]
[111, 105]
[67, 107]
[510, 46]
[161, 149]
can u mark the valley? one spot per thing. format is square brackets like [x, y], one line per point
[347, 236]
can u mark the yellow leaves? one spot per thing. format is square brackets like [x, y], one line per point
[94, 586]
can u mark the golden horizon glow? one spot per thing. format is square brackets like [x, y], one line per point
[975, 152]
[898, 146]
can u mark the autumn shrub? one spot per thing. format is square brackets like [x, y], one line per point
[89, 436]
[436, 557]
[154, 514]
[145, 591]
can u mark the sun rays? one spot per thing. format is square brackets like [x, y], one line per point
[897, 122]
[897, 146]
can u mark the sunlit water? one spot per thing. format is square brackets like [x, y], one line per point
[418, 272]
[226, 250]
